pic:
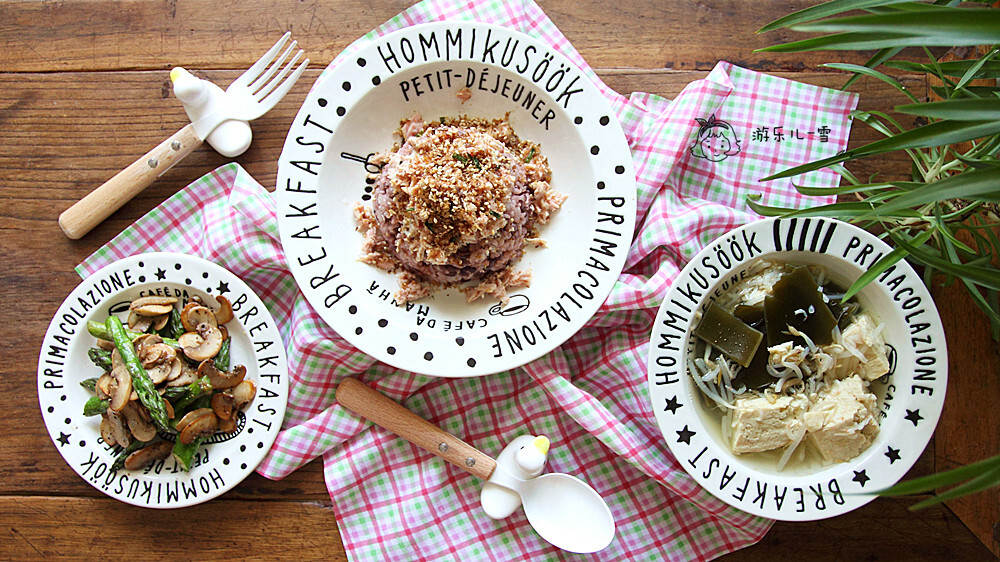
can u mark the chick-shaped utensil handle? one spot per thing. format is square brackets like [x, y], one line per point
[524, 457]
[200, 97]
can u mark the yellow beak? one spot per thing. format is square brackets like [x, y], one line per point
[542, 444]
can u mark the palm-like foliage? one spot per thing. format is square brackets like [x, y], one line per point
[943, 218]
[955, 183]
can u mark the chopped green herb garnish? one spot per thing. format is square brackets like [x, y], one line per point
[466, 159]
[530, 155]
[495, 214]
[442, 120]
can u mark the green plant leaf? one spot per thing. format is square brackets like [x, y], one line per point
[989, 309]
[864, 70]
[845, 173]
[941, 479]
[979, 164]
[958, 68]
[985, 150]
[877, 120]
[826, 9]
[969, 91]
[846, 210]
[992, 237]
[933, 27]
[974, 69]
[911, 7]
[982, 302]
[987, 277]
[843, 189]
[844, 41]
[987, 479]
[884, 263]
[955, 110]
[878, 58]
[930, 27]
[949, 242]
[973, 185]
[933, 134]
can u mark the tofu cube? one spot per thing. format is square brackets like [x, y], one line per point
[759, 425]
[841, 423]
[862, 335]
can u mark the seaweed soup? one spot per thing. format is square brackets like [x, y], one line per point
[734, 337]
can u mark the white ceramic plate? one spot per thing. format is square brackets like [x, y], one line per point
[910, 396]
[351, 114]
[223, 461]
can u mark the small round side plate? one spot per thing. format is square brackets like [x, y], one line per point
[225, 460]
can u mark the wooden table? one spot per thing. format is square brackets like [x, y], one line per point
[84, 91]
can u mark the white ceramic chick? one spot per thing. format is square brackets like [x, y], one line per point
[524, 458]
[200, 98]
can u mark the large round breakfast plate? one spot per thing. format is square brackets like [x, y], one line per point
[224, 460]
[909, 397]
[351, 114]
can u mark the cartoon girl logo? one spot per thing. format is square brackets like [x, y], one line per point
[716, 140]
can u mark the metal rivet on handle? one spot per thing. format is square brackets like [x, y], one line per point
[176, 145]
[153, 162]
[443, 447]
[470, 462]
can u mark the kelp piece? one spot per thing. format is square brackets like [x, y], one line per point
[796, 301]
[754, 376]
[729, 334]
[844, 312]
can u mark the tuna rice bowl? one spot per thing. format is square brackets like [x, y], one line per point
[455, 204]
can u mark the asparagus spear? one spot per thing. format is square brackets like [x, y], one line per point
[174, 328]
[141, 382]
[132, 447]
[193, 391]
[100, 357]
[95, 406]
[100, 331]
[222, 357]
[184, 454]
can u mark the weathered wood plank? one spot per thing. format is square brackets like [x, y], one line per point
[970, 418]
[135, 35]
[36, 527]
[881, 530]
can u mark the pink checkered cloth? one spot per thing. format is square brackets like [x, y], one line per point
[589, 396]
